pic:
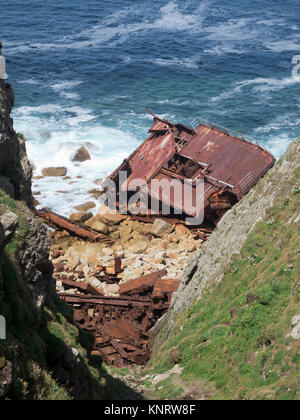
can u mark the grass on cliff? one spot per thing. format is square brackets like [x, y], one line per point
[37, 341]
[236, 338]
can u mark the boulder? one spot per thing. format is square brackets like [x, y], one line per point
[139, 247]
[80, 217]
[85, 207]
[81, 155]
[111, 219]
[125, 233]
[100, 227]
[182, 230]
[54, 171]
[9, 221]
[96, 193]
[161, 228]
[295, 334]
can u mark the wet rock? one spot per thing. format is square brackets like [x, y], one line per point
[81, 217]
[85, 207]
[96, 193]
[98, 181]
[48, 172]
[81, 155]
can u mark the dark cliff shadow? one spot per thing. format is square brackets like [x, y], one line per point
[38, 345]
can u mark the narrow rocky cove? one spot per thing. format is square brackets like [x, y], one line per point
[143, 309]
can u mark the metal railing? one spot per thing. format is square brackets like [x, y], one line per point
[228, 131]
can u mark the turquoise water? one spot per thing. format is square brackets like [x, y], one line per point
[84, 71]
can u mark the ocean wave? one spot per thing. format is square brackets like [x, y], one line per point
[279, 123]
[28, 82]
[62, 86]
[54, 134]
[233, 30]
[278, 145]
[259, 84]
[62, 115]
[284, 46]
[190, 63]
[262, 84]
[171, 18]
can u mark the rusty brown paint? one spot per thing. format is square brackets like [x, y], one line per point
[225, 163]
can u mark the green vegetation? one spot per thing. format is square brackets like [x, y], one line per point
[236, 338]
[38, 340]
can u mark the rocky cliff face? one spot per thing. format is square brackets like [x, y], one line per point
[17, 224]
[44, 355]
[15, 168]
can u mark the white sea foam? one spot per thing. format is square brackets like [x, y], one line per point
[280, 122]
[270, 84]
[284, 46]
[28, 82]
[190, 63]
[63, 88]
[278, 145]
[171, 18]
[233, 30]
[54, 134]
[259, 84]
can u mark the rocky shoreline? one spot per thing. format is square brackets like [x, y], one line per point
[141, 247]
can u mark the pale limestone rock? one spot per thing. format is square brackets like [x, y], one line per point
[295, 334]
[161, 228]
[139, 247]
[125, 233]
[112, 289]
[100, 227]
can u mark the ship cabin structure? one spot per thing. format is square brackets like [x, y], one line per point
[228, 163]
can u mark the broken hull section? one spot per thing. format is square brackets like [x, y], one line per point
[228, 165]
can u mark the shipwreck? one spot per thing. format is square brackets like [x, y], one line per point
[229, 164]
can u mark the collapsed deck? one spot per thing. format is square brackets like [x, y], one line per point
[228, 165]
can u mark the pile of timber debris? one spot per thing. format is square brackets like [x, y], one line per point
[120, 324]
